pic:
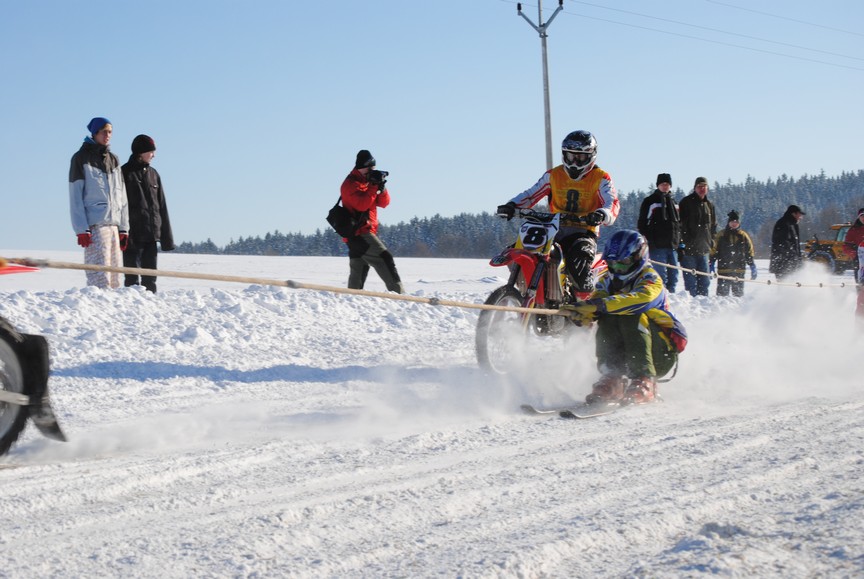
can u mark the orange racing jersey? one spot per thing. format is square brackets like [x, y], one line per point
[593, 192]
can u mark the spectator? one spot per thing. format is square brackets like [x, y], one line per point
[732, 253]
[698, 228]
[786, 243]
[854, 239]
[97, 203]
[660, 223]
[148, 213]
[363, 192]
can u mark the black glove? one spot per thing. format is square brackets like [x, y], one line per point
[508, 210]
[595, 218]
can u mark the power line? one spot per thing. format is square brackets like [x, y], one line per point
[803, 58]
[750, 48]
[757, 38]
[786, 18]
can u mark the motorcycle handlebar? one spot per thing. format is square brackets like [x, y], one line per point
[540, 215]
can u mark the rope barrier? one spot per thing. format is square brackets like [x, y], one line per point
[764, 282]
[433, 301]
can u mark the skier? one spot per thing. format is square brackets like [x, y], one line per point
[637, 335]
[575, 189]
[731, 253]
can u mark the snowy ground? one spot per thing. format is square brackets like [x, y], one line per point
[224, 430]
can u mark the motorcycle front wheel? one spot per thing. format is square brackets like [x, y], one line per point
[13, 417]
[500, 333]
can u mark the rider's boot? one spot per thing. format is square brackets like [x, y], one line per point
[641, 390]
[609, 388]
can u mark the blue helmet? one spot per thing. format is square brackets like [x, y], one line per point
[626, 253]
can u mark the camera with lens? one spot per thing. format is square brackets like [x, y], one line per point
[378, 177]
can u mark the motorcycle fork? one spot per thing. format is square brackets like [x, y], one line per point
[535, 288]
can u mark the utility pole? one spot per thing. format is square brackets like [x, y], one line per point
[541, 30]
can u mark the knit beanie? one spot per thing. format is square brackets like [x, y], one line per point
[861, 212]
[733, 216]
[700, 181]
[364, 159]
[143, 144]
[97, 124]
[664, 178]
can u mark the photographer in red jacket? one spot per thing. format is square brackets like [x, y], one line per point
[363, 192]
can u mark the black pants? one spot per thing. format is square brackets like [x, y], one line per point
[142, 256]
[579, 250]
[367, 250]
[725, 285]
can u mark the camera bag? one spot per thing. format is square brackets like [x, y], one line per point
[344, 221]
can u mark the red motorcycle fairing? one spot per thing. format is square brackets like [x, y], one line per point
[525, 259]
[527, 262]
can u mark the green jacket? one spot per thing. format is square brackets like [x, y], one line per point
[733, 252]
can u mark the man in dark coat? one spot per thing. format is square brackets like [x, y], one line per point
[698, 228]
[786, 243]
[660, 224]
[148, 213]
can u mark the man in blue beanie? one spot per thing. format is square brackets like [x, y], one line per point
[97, 203]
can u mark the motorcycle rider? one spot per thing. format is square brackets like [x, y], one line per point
[637, 335]
[576, 189]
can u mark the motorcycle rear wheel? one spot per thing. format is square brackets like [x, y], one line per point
[13, 417]
[499, 332]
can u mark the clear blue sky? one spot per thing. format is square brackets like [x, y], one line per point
[258, 108]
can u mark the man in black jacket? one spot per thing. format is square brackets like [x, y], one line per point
[148, 213]
[660, 223]
[698, 228]
[786, 243]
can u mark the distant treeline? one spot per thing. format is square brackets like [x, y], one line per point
[826, 200]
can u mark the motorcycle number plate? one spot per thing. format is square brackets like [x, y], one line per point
[533, 236]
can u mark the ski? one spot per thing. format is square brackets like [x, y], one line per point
[590, 410]
[581, 410]
[529, 409]
[601, 408]
[577, 410]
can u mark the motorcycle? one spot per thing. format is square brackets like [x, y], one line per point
[538, 280]
[24, 386]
